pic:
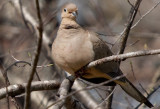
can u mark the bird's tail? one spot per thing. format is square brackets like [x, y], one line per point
[131, 90]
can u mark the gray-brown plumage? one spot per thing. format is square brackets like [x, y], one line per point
[74, 47]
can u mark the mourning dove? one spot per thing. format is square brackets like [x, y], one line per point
[75, 47]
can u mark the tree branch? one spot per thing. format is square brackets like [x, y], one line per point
[63, 91]
[40, 35]
[17, 89]
[18, 62]
[125, 35]
[123, 57]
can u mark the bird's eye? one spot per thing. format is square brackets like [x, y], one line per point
[65, 10]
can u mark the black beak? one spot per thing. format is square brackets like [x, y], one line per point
[75, 13]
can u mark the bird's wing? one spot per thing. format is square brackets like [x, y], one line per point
[101, 50]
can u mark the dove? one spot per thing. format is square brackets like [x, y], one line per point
[74, 47]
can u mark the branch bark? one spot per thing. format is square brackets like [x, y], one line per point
[125, 35]
[17, 89]
[124, 56]
[63, 91]
[37, 55]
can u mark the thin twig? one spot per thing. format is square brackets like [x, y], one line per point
[19, 61]
[130, 3]
[40, 32]
[136, 79]
[15, 64]
[22, 13]
[109, 96]
[150, 94]
[144, 15]
[134, 43]
[42, 66]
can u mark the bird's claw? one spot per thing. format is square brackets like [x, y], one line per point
[80, 72]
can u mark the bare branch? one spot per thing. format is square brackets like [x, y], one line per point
[40, 35]
[136, 79]
[63, 91]
[130, 3]
[107, 98]
[17, 89]
[123, 57]
[110, 97]
[15, 64]
[132, 16]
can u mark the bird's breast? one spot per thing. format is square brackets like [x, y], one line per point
[71, 54]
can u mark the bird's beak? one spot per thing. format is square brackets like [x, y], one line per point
[75, 13]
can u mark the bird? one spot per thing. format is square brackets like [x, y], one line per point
[75, 47]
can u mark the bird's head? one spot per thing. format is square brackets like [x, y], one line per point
[69, 11]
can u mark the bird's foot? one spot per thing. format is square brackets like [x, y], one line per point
[81, 71]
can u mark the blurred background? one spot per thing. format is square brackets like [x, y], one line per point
[108, 17]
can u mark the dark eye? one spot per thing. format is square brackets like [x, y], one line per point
[65, 10]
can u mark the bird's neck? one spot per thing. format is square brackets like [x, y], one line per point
[67, 23]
